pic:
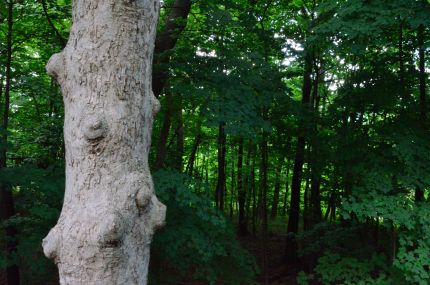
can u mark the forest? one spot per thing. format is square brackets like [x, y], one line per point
[292, 145]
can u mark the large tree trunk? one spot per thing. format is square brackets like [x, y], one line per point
[110, 211]
[7, 205]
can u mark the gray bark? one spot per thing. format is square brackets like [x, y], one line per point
[110, 210]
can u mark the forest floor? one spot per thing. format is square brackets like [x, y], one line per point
[269, 256]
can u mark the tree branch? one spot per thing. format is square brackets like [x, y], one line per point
[57, 33]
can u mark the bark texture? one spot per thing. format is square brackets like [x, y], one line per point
[110, 211]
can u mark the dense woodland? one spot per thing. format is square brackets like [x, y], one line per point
[292, 146]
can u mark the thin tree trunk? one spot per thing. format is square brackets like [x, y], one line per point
[294, 213]
[232, 188]
[241, 193]
[419, 193]
[196, 143]
[247, 185]
[263, 184]
[7, 205]
[207, 172]
[220, 189]
[401, 58]
[164, 133]
[277, 189]
[306, 200]
[254, 193]
[110, 211]
[263, 201]
[179, 132]
[315, 199]
[287, 188]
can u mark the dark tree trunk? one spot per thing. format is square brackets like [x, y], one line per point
[175, 22]
[316, 212]
[294, 213]
[287, 189]
[242, 229]
[422, 62]
[306, 201]
[277, 190]
[7, 206]
[263, 184]
[419, 193]
[190, 164]
[247, 185]
[164, 133]
[179, 132]
[254, 193]
[232, 188]
[220, 188]
[263, 199]
[315, 199]
[401, 58]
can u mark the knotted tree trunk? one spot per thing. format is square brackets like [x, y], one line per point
[110, 211]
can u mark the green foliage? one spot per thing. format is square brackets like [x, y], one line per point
[241, 64]
[198, 240]
[413, 257]
[38, 195]
[333, 268]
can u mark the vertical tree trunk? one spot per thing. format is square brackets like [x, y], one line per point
[263, 201]
[164, 133]
[315, 201]
[232, 188]
[422, 70]
[315, 198]
[220, 188]
[401, 58]
[179, 133]
[306, 200]
[190, 165]
[241, 193]
[419, 193]
[287, 187]
[294, 213]
[175, 22]
[247, 185]
[254, 193]
[7, 206]
[110, 210]
[262, 204]
[277, 190]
